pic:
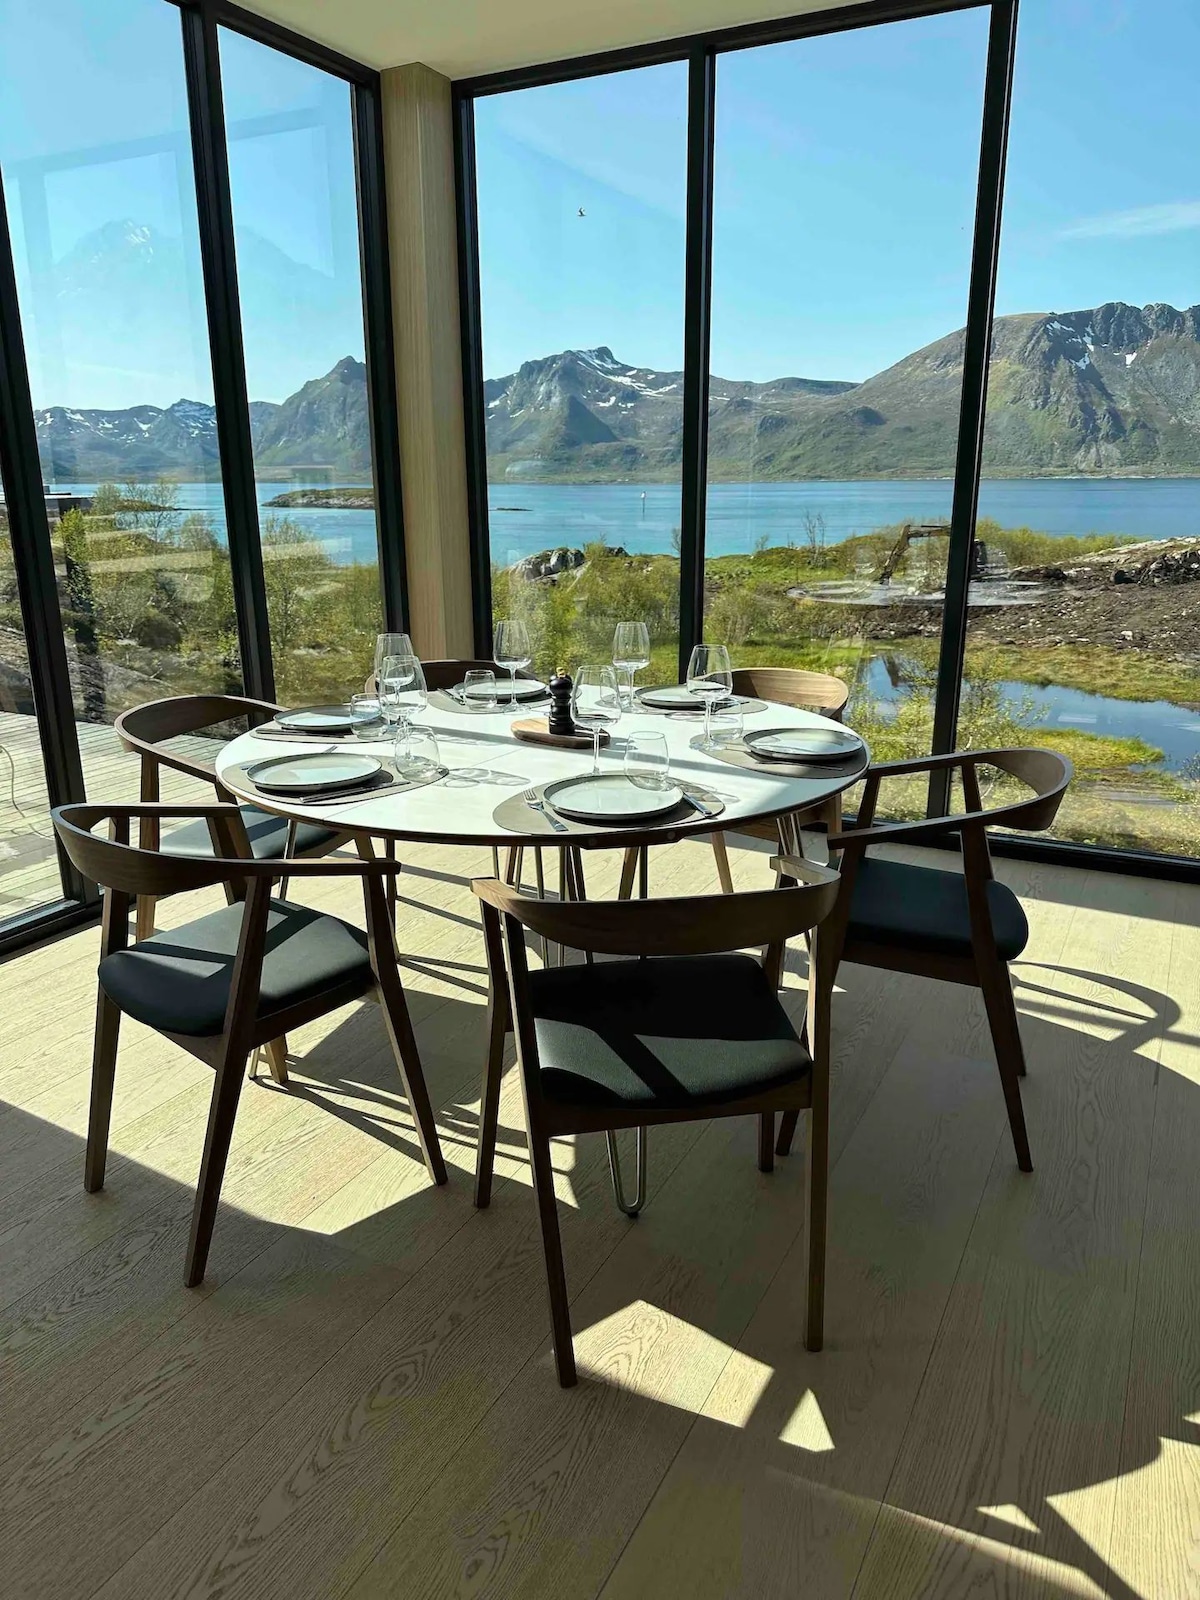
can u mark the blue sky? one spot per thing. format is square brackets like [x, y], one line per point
[844, 194]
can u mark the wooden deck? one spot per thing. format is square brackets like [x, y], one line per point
[29, 874]
[360, 1400]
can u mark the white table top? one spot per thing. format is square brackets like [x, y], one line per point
[459, 810]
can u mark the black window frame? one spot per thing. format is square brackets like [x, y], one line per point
[21, 468]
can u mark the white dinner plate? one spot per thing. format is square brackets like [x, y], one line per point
[610, 797]
[527, 689]
[803, 744]
[678, 697]
[314, 774]
[317, 719]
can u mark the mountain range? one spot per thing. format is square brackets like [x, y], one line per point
[1113, 390]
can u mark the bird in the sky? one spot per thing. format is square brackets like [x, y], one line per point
[582, 212]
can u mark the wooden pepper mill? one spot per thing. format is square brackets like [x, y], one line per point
[561, 722]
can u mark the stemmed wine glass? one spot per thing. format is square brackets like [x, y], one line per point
[401, 689]
[631, 650]
[711, 677]
[513, 650]
[596, 703]
[391, 644]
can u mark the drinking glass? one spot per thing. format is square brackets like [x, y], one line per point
[397, 674]
[728, 725]
[367, 716]
[483, 682]
[413, 695]
[513, 650]
[416, 752]
[709, 675]
[390, 644]
[646, 761]
[631, 651]
[596, 703]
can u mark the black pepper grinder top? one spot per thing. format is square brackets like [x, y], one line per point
[561, 722]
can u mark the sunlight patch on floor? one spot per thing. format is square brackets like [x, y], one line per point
[1013, 1515]
[648, 1351]
[806, 1427]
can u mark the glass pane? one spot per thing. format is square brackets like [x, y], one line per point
[291, 168]
[29, 873]
[844, 199]
[1083, 630]
[582, 197]
[100, 191]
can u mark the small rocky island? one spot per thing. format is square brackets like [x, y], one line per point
[361, 498]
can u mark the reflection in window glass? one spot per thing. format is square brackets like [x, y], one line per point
[1084, 632]
[291, 167]
[844, 197]
[100, 191]
[582, 197]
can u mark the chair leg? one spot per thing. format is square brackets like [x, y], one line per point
[631, 1208]
[766, 1141]
[408, 1061]
[787, 1132]
[628, 873]
[227, 1088]
[144, 924]
[276, 1053]
[815, 1221]
[556, 1277]
[489, 1109]
[1010, 1057]
[725, 877]
[391, 888]
[104, 1072]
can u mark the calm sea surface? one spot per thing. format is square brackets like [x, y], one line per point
[526, 518]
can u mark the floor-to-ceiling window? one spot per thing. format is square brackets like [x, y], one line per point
[292, 176]
[102, 217]
[1085, 628]
[844, 197]
[582, 212]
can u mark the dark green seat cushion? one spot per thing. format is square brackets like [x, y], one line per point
[926, 910]
[179, 981]
[670, 1033]
[267, 835]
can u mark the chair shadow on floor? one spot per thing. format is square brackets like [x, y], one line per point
[804, 1463]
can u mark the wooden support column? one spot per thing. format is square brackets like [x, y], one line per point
[419, 168]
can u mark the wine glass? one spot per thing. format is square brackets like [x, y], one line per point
[396, 678]
[596, 703]
[631, 650]
[711, 677]
[513, 651]
[391, 644]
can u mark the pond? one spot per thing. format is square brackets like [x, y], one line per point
[1175, 730]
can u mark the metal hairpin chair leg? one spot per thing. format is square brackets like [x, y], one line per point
[614, 1167]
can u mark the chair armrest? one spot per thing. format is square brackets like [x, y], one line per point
[882, 832]
[955, 758]
[803, 870]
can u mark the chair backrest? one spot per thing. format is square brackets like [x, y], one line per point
[790, 686]
[143, 728]
[1044, 771]
[448, 674]
[695, 925]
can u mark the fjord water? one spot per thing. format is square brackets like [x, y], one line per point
[528, 517]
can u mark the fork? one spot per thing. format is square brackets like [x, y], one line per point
[531, 800]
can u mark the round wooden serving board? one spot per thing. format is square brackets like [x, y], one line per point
[536, 730]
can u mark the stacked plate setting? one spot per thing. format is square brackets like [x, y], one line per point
[803, 744]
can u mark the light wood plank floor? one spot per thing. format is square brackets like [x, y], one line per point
[360, 1400]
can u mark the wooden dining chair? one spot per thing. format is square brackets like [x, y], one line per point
[232, 980]
[692, 1031]
[786, 686]
[145, 729]
[962, 927]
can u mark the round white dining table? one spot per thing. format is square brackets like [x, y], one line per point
[486, 764]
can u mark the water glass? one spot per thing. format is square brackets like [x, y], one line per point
[646, 760]
[396, 675]
[596, 703]
[417, 754]
[390, 644]
[367, 716]
[728, 725]
[479, 689]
